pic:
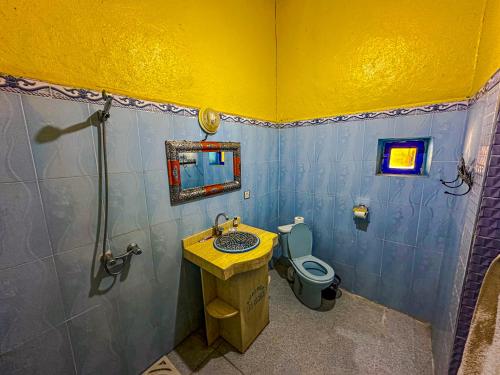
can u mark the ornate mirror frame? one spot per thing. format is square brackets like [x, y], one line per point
[179, 195]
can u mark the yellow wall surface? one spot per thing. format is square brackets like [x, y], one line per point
[488, 58]
[218, 53]
[347, 56]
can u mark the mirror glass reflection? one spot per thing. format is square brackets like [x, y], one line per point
[205, 168]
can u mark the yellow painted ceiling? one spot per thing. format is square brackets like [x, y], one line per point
[274, 60]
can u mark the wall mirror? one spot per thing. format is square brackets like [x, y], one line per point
[200, 169]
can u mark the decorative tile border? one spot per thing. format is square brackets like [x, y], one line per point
[28, 86]
[33, 87]
[488, 86]
[442, 107]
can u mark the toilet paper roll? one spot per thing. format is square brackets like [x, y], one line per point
[298, 219]
[360, 214]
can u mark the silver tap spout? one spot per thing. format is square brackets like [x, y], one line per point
[218, 229]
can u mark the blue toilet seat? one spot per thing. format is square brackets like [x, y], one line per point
[314, 269]
[309, 267]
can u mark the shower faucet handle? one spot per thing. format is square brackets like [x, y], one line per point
[134, 249]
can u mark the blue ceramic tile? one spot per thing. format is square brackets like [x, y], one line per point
[167, 253]
[262, 212]
[31, 303]
[232, 131]
[322, 242]
[375, 130]
[265, 144]
[286, 207]
[373, 188]
[406, 190]
[397, 261]
[395, 293]
[343, 217]
[473, 130]
[249, 215]
[122, 141]
[433, 192]
[97, 342]
[324, 209]
[235, 203]
[23, 232]
[49, 353]
[16, 163]
[158, 198]
[347, 275]
[186, 128]
[58, 154]
[79, 291]
[367, 285]
[140, 337]
[434, 228]
[127, 203]
[350, 137]
[402, 223]
[304, 206]
[413, 126]
[447, 135]
[250, 147]
[154, 130]
[71, 211]
[325, 146]
[369, 254]
[305, 144]
[304, 178]
[324, 178]
[272, 152]
[375, 225]
[348, 178]
[273, 205]
[274, 176]
[287, 145]
[140, 270]
[193, 223]
[425, 279]
[344, 247]
[287, 176]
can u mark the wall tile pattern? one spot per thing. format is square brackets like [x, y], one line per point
[395, 259]
[59, 312]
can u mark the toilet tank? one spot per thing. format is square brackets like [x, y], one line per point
[283, 231]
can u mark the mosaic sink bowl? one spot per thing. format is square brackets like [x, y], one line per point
[236, 242]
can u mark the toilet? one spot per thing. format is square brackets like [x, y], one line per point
[311, 275]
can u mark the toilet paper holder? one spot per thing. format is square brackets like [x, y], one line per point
[360, 211]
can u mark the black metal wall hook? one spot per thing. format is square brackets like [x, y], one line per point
[464, 175]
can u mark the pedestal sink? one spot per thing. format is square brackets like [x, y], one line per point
[236, 242]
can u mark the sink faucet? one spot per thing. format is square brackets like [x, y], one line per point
[218, 229]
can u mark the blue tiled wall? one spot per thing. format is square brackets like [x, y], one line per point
[396, 260]
[477, 145]
[59, 313]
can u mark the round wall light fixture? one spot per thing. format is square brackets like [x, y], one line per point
[209, 120]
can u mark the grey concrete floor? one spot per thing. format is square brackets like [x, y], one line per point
[357, 336]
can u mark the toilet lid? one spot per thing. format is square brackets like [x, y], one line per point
[300, 241]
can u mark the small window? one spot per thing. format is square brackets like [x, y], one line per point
[403, 156]
[216, 158]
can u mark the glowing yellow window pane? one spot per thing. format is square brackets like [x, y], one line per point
[403, 158]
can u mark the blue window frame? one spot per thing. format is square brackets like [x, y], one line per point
[403, 156]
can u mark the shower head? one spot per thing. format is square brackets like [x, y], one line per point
[104, 113]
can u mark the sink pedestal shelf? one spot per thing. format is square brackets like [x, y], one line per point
[235, 286]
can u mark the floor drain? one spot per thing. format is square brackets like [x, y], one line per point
[162, 367]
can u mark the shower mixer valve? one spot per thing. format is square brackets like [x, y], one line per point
[132, 249]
